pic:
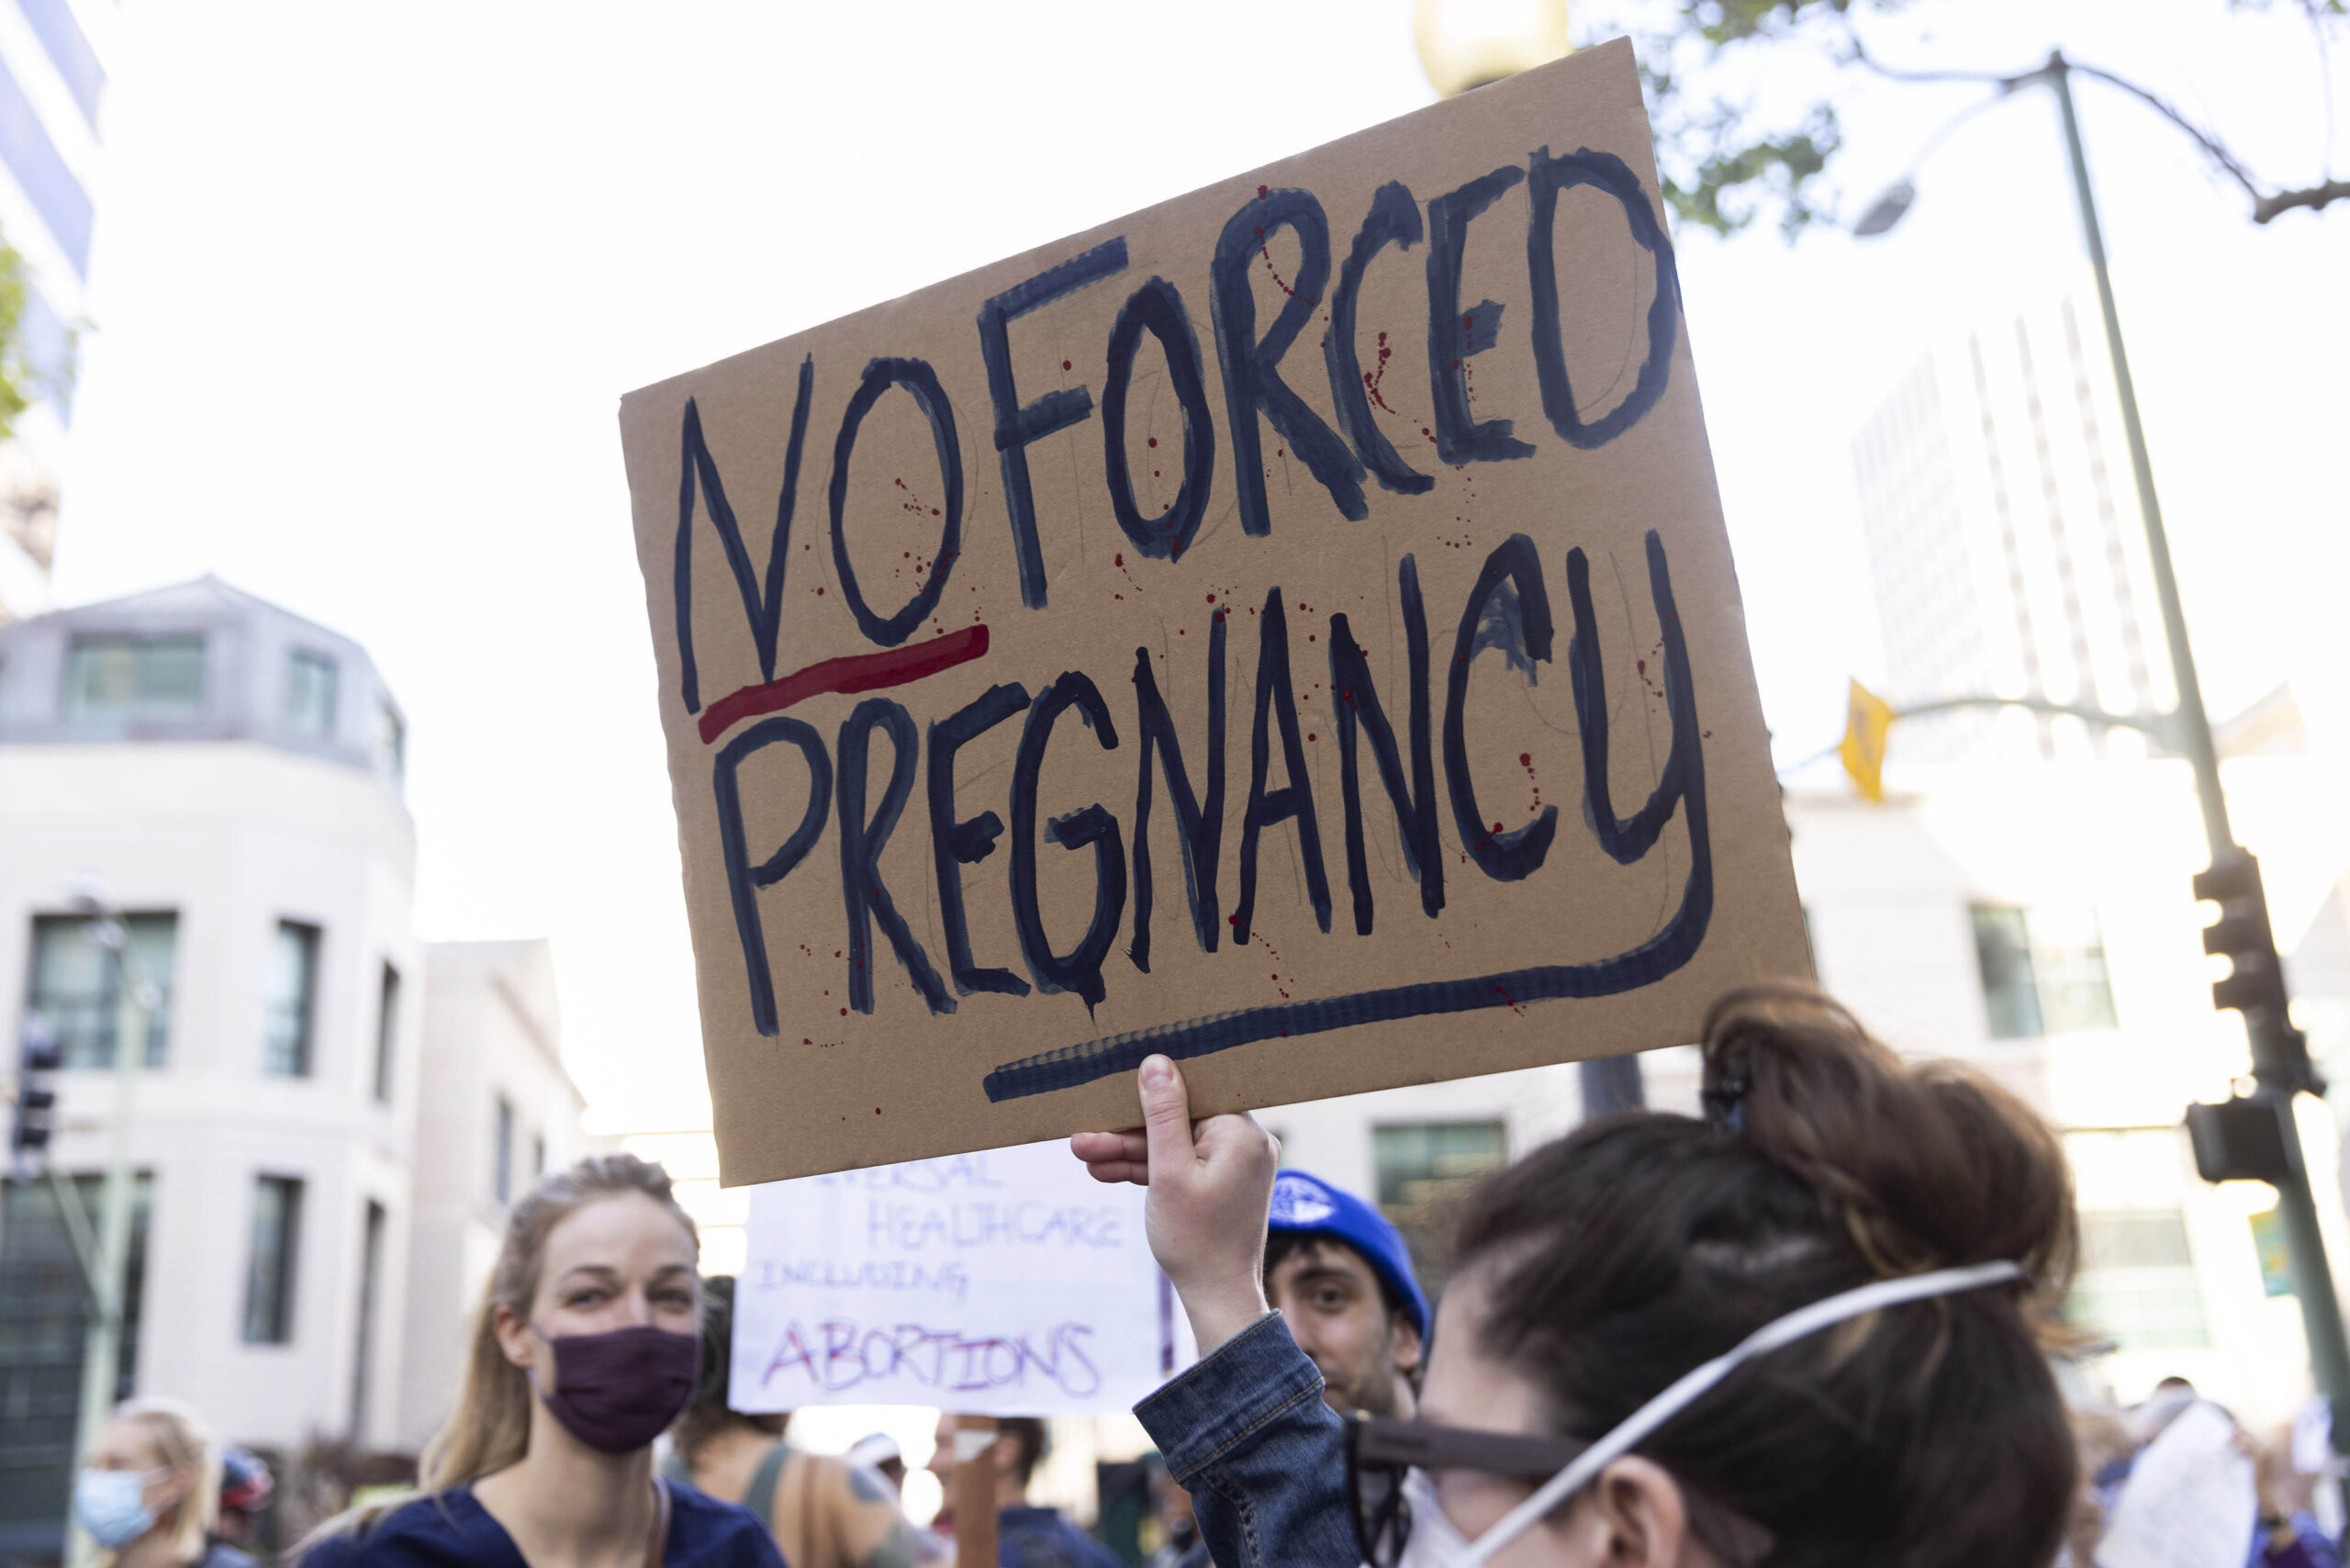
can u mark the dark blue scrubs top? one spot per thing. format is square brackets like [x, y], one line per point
[450, 1527]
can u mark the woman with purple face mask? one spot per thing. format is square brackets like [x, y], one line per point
[583, 1352]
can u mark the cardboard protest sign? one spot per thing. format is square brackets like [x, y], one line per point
[1290, 628]
[998, 1283]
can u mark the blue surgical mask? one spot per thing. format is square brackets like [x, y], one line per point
[112, 1505]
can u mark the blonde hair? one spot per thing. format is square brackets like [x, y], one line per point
[490, 1428]
[183, 1445]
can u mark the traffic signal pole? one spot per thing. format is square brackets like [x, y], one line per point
[102, 1343]
[2279, 1055]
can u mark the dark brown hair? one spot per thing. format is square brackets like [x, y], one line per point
[1029, 1432]
[1628, 1252]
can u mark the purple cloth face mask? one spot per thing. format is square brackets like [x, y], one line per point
[619, 1390]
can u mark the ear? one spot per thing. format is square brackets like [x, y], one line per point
[1636, 1509]
[1405, 1335]
[515, 1337]
[166, 1493]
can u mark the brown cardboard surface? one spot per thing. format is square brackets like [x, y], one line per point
[1597, 799]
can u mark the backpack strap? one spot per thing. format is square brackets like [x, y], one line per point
[759, 1494]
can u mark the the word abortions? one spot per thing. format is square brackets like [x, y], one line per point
[838, 1355]
[1509, 610]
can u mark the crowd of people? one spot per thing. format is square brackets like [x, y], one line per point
[1815, 1326]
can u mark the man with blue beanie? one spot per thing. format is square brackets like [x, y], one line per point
[1340, 1276]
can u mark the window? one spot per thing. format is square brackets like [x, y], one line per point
[268, 1276]
[77, 986]
[43, 173]
[387, 1019]
[1422, 1171]
[293, 999]
[2137, 1282]
[44, 1314]
[310, 693]
[2044, 971]
[501, 1171]
[2003, 951]
[131, 678]
[362, 1358]
[391, 742]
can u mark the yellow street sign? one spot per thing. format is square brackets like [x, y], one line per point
[1865, 723]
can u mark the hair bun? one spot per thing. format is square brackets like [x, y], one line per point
[1924, 1165]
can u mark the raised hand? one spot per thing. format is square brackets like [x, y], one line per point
[1211, 1185]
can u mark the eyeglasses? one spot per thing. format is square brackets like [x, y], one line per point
[1380, 1451]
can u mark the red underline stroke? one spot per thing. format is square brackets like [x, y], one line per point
[854, 672]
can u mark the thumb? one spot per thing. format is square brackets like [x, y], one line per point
[1166, 1115]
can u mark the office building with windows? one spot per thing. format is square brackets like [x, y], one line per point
[228, 776]
[52, 87]
[2003, 547]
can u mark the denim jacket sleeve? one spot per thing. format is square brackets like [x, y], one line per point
[1246, 1433]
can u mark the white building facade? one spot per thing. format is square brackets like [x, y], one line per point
[230, 776]
[2004, 547]
[52, 90]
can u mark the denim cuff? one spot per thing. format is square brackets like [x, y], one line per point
[1254, 1377]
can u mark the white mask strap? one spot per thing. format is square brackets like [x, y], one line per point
[1797, 1325]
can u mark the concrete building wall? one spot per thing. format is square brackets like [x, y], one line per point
[233, 838]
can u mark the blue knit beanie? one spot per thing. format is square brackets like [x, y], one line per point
[1303, 1206]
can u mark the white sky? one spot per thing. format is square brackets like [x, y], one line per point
[369, 280]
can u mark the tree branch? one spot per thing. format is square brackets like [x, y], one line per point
[2266, 205]
[2210, 143]
[2269, 206]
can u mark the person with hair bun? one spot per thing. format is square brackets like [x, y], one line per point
[584, 1350]
[1811, 1328]
[148, 1488]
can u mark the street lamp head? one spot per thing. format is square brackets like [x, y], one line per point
[1469, 43]
[1887, 210]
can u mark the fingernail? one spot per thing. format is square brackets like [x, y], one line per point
[1158, 1072]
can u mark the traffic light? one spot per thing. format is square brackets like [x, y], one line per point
[38, 1055]
[2256, 983]
[2243, 1139]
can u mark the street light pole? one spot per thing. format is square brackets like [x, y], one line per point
[102, 1342]
[2278, 1058]
[2280, 1054]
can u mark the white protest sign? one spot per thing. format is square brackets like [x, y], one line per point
[998, 1283]
[2189, 1501]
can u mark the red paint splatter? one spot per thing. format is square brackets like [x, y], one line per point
[1526, 760]
[912, 502]
[1370, 379]
[1265, 249]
